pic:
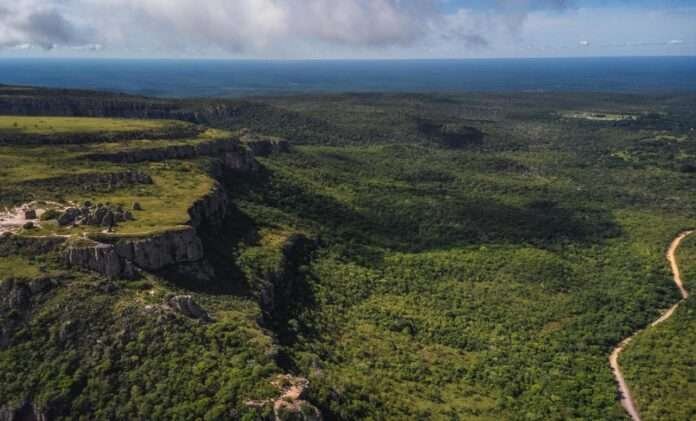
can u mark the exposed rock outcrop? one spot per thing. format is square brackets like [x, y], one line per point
[161, 250]
[291, 404]
[211, 209]
[185, 305]
[100, 258]
[279, 288]
[242, 161]
[264, 145]
[115, 257]
[152, 253]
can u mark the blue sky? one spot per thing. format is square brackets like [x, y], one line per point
[346, 28]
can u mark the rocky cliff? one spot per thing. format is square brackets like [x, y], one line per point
[121, 257]
[264, 145]
[211, 209]
[280, 288]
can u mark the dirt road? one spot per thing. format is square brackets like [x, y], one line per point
[626, 399]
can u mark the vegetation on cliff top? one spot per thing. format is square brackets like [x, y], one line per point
[67, 173]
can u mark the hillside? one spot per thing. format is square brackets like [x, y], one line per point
[398, 257]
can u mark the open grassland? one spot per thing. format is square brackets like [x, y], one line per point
[77, 125]
[48, 173]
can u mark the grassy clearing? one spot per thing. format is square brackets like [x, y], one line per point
[176, 186]
[72, 125]
[18, 268]
[43, 172]
[598, 116]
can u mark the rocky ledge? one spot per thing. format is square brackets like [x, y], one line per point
[209, 148]
[211, 209]
[121, 257]
[264, 145]
[291, 404]
[125, 256]
[117, 256]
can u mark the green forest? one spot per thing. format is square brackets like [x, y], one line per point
[428, 257]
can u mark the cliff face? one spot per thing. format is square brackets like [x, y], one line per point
[121, 257]
[280, 288]
[265, 145]
[211, 209]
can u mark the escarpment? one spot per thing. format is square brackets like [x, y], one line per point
[209, 148]
[211, 209]
[120, 257]
[117, 256]
[264, 145]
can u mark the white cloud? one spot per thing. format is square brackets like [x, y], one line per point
[337, 28]
[37, 23]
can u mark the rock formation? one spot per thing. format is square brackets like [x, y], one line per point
[291, 404]
[152, 253]
[185, 305]
[116, 257]
[264, 145]
[211, 209]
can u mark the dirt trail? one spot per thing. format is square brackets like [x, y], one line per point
[626, 399]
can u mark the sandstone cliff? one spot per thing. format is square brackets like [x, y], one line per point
[121, 257]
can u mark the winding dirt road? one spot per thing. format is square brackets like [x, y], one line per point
[626, 399]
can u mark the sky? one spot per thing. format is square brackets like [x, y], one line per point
[346, 29]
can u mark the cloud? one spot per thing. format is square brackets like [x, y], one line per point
[330, 28]
[245, 26]
[35, 23]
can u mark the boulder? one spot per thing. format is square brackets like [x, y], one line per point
[291, 404]
[185, 305]
[108, 220]
[30, 214]
[68, 217]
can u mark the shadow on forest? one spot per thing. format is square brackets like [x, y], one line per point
[220, 274]
[417, 222]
